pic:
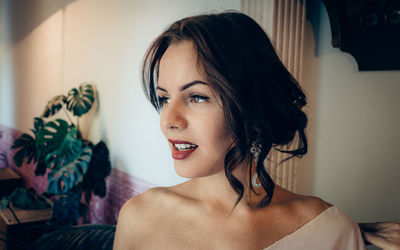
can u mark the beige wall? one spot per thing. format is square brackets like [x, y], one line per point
[357, 121]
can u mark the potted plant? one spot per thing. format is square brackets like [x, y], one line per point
[75, 167]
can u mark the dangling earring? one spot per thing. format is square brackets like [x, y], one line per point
[254, 181]
[255, 150]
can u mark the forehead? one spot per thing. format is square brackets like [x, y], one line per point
[178, 65]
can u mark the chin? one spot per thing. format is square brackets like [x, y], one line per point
[191, 171]
[185, 170]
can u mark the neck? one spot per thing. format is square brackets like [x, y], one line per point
[216, 191]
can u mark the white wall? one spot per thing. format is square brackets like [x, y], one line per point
[357, 134]
[102, 42]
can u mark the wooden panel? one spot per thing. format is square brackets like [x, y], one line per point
[25, 216]
[20, 233]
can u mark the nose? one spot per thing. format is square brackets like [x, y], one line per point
[173, 117]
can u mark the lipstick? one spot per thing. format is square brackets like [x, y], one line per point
[181, 154]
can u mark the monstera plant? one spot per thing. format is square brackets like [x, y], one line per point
[74, 166]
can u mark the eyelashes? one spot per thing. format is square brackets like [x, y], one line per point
[193, 98]
[163, 100]
[198, 98]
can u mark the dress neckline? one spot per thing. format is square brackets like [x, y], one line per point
[302, 227]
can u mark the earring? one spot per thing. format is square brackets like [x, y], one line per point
[255, 150]
[254, 181]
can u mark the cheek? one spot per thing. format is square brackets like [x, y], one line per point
[216, 135]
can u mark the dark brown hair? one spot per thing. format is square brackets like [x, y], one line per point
[262, 102]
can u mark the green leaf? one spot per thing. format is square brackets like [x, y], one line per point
[80, 101]
[54, 105]
[40, 167]
[38, 124]
[59, 143]
[27, 149]
[68, 208]
[65, 178]
[27, 145]
[28, 199]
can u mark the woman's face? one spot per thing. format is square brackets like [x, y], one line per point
[192, 119]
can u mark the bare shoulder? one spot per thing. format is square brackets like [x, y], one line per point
[306, 207]
[135, 217]
[310, 206]
[141, 203]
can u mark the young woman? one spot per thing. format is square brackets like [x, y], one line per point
[226, 101]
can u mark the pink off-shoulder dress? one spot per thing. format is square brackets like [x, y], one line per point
[333, 229]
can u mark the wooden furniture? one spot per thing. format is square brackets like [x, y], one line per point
[30, 227]
[9, 180]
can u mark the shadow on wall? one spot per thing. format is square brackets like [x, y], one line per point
[26, 15]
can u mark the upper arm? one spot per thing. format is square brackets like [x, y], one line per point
[125, 233]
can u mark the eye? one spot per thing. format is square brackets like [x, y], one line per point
[163, 100]
[198, 98]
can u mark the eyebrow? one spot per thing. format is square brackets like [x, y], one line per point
[186, 86]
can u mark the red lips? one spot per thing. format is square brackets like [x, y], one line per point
[180, 155]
